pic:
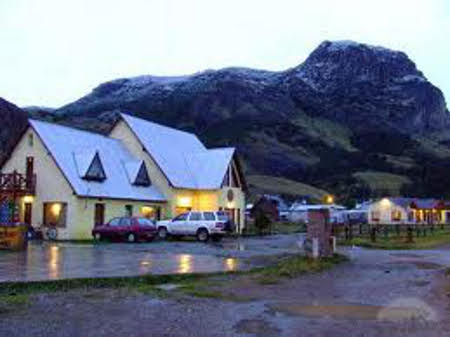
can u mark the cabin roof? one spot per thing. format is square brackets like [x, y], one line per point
[73, 151]
[181, 156]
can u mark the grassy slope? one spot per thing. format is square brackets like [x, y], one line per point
[331, 133]
[278, 185]
[430, 241]
[383, 181]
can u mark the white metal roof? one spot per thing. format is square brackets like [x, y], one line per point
[298, 207]
[182, 157]
[73, 151]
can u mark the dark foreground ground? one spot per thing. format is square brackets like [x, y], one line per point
[376, 293]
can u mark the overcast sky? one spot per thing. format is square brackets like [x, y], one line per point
[54, 51]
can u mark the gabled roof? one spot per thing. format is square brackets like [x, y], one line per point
[73, 151]
[181, 156]
[419, 203]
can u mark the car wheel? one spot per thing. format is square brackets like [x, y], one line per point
[202, 235]
[131, 238]
[162, 233]
[97, 237]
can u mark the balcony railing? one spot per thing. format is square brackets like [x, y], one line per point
[17, 184]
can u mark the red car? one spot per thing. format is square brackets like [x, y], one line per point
[132, 229]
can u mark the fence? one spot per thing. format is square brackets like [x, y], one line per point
[398, 231]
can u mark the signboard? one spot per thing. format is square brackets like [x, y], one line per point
[13, 237]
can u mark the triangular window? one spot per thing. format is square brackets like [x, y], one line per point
[142, 178]
[95, 170]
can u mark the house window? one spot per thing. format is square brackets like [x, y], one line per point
[55, 214]
[396, 215]
[375, 215]
[142, 178]
[95, 171]
[30, 139]
[128, 210]
[148, 212]
[181, 210]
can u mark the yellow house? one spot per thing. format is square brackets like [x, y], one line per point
[141, 168]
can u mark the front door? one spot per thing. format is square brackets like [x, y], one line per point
[28, 213]
[99, 217]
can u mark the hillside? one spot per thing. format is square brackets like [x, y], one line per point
[348, 108]
[14, 121]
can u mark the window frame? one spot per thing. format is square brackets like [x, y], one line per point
[46, 210]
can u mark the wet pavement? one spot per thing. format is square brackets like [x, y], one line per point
[50, 260]
[376, 294]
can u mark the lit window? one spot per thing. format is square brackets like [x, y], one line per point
[55, 214]
[396, 215]
[148, 212]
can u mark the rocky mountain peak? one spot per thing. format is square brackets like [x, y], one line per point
[359, 83]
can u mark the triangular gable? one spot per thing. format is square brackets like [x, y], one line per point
[95, 171]
[83, 160]
[142, 178]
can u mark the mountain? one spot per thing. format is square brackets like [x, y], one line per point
[14, 122]
[349, 118]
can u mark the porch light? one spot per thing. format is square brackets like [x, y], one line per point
[385, 202]
[329, 199]
[28, 199]
[184, 202]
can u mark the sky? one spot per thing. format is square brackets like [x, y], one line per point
[52, 52]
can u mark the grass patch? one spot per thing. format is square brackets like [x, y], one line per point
[140, 283]
[213, 285]
[394, 243]
[276, 228]
[12, 302]
[210, 288]
[278, 185]
[382, 181]
[294, 266]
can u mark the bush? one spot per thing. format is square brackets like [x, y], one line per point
[262, 222]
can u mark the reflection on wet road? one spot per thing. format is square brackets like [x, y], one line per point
[50, 261]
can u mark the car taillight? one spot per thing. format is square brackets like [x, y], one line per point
[220, 225]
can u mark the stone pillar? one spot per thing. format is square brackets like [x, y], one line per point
[319, 230]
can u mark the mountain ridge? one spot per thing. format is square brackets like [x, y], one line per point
[348, 108]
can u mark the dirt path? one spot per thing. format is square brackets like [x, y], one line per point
[377, 293]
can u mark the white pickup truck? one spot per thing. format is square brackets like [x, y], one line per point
[203, 225]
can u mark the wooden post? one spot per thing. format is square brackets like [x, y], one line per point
[410, 238]
[373, 234]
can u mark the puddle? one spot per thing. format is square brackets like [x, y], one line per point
[423, 265]
[395, 312]
[259, 327]
[407, 255]
[168, 286]
[420, 283]
[427, 265]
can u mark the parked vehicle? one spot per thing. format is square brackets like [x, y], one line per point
[132, 229]
[202, 225]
